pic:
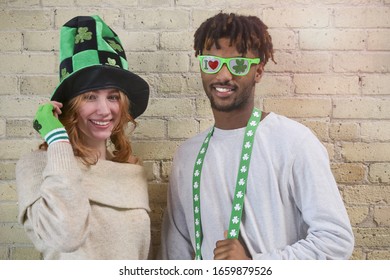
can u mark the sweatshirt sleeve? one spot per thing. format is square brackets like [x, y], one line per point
[52, 206]
[315, 192]
[175, 239]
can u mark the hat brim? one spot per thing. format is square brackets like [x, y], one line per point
[102, 77]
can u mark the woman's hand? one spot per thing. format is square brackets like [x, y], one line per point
[47, 124]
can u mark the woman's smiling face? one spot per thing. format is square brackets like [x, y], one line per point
[98, 115]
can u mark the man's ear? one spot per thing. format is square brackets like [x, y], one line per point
[259, 72]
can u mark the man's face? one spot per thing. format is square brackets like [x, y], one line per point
[226, 91]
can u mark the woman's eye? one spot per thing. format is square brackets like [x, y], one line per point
[113, 97]
[89, 97]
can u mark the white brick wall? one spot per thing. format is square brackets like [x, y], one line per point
[332, 74]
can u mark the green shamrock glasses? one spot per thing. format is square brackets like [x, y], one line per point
[238, 66]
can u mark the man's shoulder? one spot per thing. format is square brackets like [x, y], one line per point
[190, 147]
[284, 125]
[195, 141]
[286, 131]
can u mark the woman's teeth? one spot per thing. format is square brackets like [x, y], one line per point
[100, 123]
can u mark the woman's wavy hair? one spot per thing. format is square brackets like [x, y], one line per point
[121, 144]
[245, 32]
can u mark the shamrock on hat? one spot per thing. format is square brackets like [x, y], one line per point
[92, 58]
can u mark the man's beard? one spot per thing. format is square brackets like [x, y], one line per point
[239, 101]
[236, 104]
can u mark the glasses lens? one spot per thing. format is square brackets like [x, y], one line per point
[210, 64]
[239, 66]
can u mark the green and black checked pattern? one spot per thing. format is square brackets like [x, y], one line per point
[86, 43]
[92, 58]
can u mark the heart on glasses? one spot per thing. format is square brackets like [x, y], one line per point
[213, 64]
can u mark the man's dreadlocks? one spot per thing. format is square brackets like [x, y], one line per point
[245, 32]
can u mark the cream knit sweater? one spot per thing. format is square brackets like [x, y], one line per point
[70, 211]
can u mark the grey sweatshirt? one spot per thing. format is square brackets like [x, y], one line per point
[292, 210]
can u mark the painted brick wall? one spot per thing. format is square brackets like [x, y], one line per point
[332, 74]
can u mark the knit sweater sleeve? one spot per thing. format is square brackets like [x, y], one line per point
[52, 206]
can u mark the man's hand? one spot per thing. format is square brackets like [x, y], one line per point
[230, 249]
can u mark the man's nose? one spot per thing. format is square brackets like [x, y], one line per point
[224, 74]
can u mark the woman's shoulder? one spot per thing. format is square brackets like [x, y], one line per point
[33, 160]
[28, 173]
[122, 185]
[29, 168]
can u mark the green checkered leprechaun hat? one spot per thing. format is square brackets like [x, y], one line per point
[91, 58]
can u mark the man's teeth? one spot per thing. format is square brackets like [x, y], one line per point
[100, 123]
[222, 89]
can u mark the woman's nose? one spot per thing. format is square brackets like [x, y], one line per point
[103, 107]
